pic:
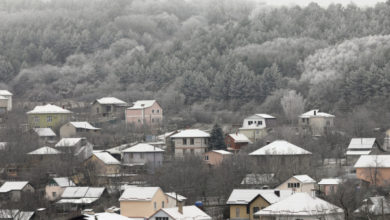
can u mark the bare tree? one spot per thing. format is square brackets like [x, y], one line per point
[293, 104]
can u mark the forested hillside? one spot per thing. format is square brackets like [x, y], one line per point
[220, 54]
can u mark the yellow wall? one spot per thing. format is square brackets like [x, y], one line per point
[259, 202]
[42, 122]
[143, 209]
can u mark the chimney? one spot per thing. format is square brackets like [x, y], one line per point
[277, 193]
[315, 112]
[267, 142]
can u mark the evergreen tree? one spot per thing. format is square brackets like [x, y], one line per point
[217, 141]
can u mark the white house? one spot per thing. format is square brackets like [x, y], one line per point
[5, 94]
[317, 122]
[190, 141]
[254, 126]
[299, 183]
[175, 199]
[301, 206]
[180, 213]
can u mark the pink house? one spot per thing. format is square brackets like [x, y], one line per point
[145, 112]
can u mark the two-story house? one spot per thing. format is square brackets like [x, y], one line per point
[299, 183]
[190, 141]
[316, 122]
[145, 112]
[77, 129]
[254, 126]
[48, 116]
[143, 153]
[79, 147]
[108, 107]
[234, 142]
[373, 169]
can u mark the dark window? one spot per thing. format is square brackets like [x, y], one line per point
[192, 141]
[108, 108]
[184, 141]
[255, 209]
[250, 122]
[260, 122]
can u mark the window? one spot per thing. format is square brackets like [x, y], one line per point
[162, 218]
[206, 157]
[108, 108]
[192, 141]
[48, 119]
[97, 110]
[54, 194]
[155, 205]
[205, 140]
[153, 111]
[260, 123]
[142, 155]
[255, 209]
[250, 122]
[293, 185]
[36, 119]
[158, 110]
[237, 212]
[303, 120]
[139, 120]
[162, 204]
[131, 155]
[184, 141]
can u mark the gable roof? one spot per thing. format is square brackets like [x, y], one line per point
[12, 186]
[83, 125]
[45, 132]
[173, 195]
[106, 158]
[316, 113]
[138, 193]
[245, 196]
[142, 147]
[68, 142]
[361, 143]
[280, 147]
[258, 179]
[141, 104]
[45, 151]
[300, 204]
[49, 109]
[189, 212]
[82, 192]
[223, 152]
[5, 92]
[373, 161]
[330, 181]
[107, 216]
[240, 138]
[304, 178]
[264, 116]
[191, 133]
[64, 181]
[110, 101]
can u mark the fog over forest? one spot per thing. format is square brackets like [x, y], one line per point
[211, 55]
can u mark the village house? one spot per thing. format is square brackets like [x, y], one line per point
[259, 180]
[5, 100]
[215, 157]
[145, 112]
[301, 206]
[45, 135]
[244, 203]
[44, 156]
[76, 198]
[174, 200]
[142, 202]
[168, 142]
[143, 153]
[281, 153]
[373, 169]
[299, 183]
[103, 164]
[79, 147]
[316, 122]
[255, 126]
[361, 146]
[108, 108]
[234, 142]
[56, 186]
[48, 116]
[15, 190]
[373, 208]
[179, 213]
[190, 141]
[77, 129]
[328, 186]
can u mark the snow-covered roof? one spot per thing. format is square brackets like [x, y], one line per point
[358, 152]
[329, 181]
[191, 133]
[77, 201]
[189, 212]
[280, 147]
[266, 116]
[5, 92]
[45, 132]
[244, 196]
[239, 138]
[83, 124]
[300, 204]
[45, 151]
[304, 179]
[361, 143]
[316, 113]
[106, 158]
[12, 185]
[49, 109]
[8, 213]
[258, 179]
[82, 192]
[223, 152]
[138, 193]
[107, 216]
[111, 101]
[142, 147]
[63, 181]
[376, 206]
[373, 161]
[180, 198]
[3, 97]
[68, 142]
[141, 104]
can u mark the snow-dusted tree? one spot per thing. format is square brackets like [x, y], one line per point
[293, 104]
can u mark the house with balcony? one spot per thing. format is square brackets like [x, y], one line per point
[255, 126]
[145, 113]
[190, 141]
[108, 108]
